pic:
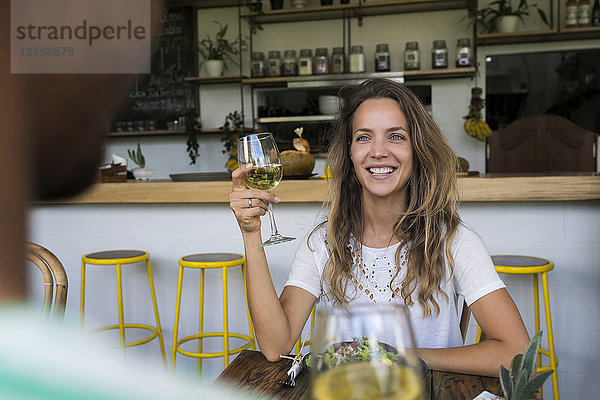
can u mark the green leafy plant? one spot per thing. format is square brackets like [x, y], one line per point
[192, 139]
[219, 48]
[488, 16]
[257, 8]
[519, 383]
[233, 128]
[137, 157]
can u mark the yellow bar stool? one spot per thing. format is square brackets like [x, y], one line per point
[308, 342]
[203, 262]
[521, 265]
[119, 258]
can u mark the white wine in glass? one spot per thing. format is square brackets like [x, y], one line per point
[261, 151]
[365, 352]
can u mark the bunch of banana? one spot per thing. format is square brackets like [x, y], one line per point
[474, 125]
[477, 128]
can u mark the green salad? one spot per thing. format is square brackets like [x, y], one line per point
[359, 349]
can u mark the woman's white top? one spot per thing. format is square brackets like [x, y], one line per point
[474, 277]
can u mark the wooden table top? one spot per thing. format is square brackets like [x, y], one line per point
[251, 373]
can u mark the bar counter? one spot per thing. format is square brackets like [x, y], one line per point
[554, 217]
[476, 189]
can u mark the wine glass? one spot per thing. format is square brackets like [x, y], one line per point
[365, 352]
[261, 151]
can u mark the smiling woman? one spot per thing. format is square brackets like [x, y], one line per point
[392, 234]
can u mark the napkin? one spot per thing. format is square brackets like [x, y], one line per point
[485, 395]
[116, 160]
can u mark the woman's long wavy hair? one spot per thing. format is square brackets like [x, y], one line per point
[430, 220]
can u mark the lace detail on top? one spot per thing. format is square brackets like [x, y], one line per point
[374, 270]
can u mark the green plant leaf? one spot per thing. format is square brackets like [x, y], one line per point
[506, 383]
[527, 391]
[521, 380]
[516, 363]
[530, 355]
[543, 16]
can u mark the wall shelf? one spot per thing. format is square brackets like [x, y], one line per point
[167, 132]
[338, 80]
[295, 118]
[352, 10]
[203, 3]
[489, 39]
[445, 73]
[205, 80]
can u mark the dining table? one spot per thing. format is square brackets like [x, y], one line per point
[251, 373]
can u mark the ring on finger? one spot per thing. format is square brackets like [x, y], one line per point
[250, 202]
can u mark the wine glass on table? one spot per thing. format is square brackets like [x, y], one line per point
[261, 151]
[365, 352]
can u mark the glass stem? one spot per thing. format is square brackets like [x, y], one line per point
[274, 230]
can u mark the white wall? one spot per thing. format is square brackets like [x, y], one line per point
[566, 232]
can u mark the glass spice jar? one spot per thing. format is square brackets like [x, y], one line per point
[464, 53]
[274, 63]
[439, 54]
[338, 61]
[305, 62]
[357, 59]
[321, 64]
[258, 65]
[382, 58]
[412, 56]
[289, 66]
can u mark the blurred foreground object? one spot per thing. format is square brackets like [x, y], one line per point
[66, 363]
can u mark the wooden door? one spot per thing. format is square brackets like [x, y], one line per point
[542, 144]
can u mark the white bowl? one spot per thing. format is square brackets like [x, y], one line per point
[329, 105]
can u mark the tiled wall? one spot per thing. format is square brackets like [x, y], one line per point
[566, 232]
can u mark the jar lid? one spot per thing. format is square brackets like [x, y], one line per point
[258, 55]
[306, 53]
[382, 48]
[274, 54]
[412, 45]
[356, 49]
[289, 53]
[321, 51]
[464, 42]
[338, 50]
[439, 44]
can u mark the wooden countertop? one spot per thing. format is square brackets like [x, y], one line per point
[478, 188]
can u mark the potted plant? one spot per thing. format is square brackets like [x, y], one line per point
[520, 383]
[191, 127]
[501, 16]
[233, 128]
[141, 173]
[216, 50]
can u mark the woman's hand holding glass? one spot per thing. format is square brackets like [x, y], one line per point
[242, 197]
[261, 152]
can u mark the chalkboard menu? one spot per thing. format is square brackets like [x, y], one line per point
[162, 97]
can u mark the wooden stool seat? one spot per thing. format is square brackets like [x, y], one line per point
[119, 258]
[202, 262]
